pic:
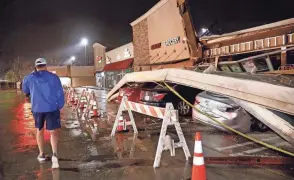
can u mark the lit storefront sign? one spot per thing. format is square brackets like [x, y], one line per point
[169, 42]
[108, 60]
[156, 46]
[127, 53]
[99, 59]
[172, 41]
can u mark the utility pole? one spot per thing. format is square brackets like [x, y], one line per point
[86, 60]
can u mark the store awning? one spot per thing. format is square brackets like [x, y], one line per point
[120, 65]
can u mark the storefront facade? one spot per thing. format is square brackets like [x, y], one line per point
[112, 65]
[99, 63]
[119, 54]
[159, 38]
[114, 72]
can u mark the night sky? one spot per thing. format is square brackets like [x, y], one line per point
[53, 28]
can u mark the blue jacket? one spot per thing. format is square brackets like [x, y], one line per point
[45, 90]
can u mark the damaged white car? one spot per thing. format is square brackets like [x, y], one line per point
[226, 111]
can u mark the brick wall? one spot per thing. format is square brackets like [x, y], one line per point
[141, 44]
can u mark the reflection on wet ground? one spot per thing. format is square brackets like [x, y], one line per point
[125, 156]
[23, 127]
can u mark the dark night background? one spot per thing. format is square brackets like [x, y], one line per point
[52, 28]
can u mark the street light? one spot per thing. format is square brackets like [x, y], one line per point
[72, 59]
[84, 42]
[204, 30]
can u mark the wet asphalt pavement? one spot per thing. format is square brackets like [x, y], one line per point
[84, 155]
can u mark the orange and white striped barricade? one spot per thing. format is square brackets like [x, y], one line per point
[92, 106]
[65, 92]
[124, 106]
[70, 96]
[86, 111]
[80, 108]
[82, 102]
[169, 116]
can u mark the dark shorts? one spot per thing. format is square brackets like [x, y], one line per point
[52, 120]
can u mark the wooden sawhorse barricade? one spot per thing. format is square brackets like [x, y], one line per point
[86, 109]
[70, 96]
[169, 116]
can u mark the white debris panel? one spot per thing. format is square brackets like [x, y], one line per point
[280, 125]
[272, 96]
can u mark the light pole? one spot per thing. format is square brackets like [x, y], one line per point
[204, 30]
[84, 42]
[73, 58]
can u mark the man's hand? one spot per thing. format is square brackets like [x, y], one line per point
[28, 98]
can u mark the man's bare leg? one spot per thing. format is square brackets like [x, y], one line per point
[40, 141]
[54, 140]
[54, 143]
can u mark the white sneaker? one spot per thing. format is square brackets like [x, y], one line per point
[41, 158]
[55, 163]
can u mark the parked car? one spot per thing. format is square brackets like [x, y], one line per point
[226, 111]
[158, 95]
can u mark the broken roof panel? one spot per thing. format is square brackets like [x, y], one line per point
[229, 36]
[271, 95]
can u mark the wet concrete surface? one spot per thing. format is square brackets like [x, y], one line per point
[84, 155]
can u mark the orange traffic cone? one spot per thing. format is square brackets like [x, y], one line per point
[82, 103]
[76, 100]
[72, 98]
[95, 111]
[121, 127]
[198, 171]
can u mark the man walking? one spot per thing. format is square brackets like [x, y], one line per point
[47, 99]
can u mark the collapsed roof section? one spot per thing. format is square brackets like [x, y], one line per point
[267, 27]
[266, 37]
[271, 95]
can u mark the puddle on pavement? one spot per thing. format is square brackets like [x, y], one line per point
[23, 128]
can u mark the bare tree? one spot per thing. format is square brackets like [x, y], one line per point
[20, 69]
[3, 66]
